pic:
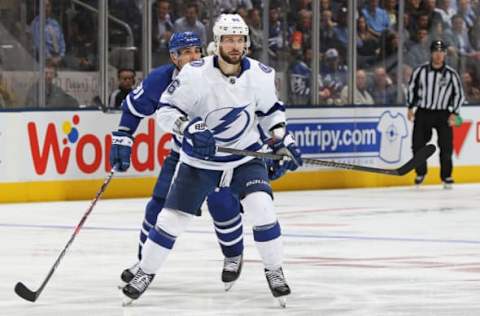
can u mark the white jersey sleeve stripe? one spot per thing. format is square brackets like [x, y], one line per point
[132, 109]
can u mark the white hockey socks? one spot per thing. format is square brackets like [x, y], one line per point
[266, 229]
[161, 238]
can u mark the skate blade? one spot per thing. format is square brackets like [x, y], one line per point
[121, 285]
[282, 301]
[228, 286]
[127, 301]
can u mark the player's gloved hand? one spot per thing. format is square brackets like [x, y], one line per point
[121, 150]
[286, 146]
[275, 168]
[198, 140]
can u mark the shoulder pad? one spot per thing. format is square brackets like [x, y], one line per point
[264, 68]
[197, 63]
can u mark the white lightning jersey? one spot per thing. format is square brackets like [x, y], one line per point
[232, 107]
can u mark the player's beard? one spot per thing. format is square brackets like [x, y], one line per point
[233, 60]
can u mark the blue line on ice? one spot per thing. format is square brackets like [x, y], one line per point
[286, 234]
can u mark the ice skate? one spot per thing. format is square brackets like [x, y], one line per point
[278, 285]
[232, 267]
[129, 273]
[419, 180]
[447, 183]
[137, 286]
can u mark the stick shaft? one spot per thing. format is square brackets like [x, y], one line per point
[419, 158]
[21, 289]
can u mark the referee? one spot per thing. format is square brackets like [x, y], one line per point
[435, 90]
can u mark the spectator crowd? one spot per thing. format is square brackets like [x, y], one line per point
[71, 40]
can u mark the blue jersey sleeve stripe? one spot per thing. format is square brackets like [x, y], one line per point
[160, 104]
[276, 107]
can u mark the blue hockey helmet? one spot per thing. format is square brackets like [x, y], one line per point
[183, 39]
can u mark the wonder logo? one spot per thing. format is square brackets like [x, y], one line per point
[71, 132]
[89, 152]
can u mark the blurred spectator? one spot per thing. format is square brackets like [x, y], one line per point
[388, 55]
[341, 29]
[275, 38]
[471, 87]
[361, 96]
[419, 53]
[231, 6]
[377, 18]
[82, 52]
[413, 7]
[438, 32]
[407, 29]
[367, 43]
[390, 7]
[333, 76]
[475, 34]
[428, 8]
[327, 34]
[54, 40]
[297, 6]
[7, 98]
[325, 5]
[162, 29]
[465, 10]
[301, 33]
[127, 11]
[443, 8]
[461, 41]
[423, 21]
[300, 77]
[382, 89]
[126, 81]
[242, 11]
[190, 23]
[254, 21]
[54, 95]
[406, 75]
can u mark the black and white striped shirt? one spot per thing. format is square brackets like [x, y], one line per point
[435, 89]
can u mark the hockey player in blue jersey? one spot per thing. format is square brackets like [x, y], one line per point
[224, 208]
[219, 101]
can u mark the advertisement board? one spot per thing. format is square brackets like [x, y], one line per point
[64, 155]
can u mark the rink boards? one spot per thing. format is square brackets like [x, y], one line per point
[64, 155]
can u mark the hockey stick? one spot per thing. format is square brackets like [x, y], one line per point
[420, 157]
[29, 295]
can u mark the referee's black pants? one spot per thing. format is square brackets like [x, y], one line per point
[425, 121]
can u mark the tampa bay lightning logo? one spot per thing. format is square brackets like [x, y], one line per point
[230, 123]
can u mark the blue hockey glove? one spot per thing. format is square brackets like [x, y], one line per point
[198, 140]
[286, 146]
[275, 169]
[121, 150]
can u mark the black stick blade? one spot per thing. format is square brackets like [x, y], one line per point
[420, 157]
[25, 293]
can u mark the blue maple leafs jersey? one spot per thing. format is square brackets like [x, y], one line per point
[143, 101]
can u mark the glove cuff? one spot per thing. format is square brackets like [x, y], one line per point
[122, 138]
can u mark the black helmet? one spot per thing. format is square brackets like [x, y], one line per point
[438, 45]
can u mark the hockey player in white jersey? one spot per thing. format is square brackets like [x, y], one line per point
[222, 205]
[219, 101]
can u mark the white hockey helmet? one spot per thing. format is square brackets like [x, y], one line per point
[230, 24]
